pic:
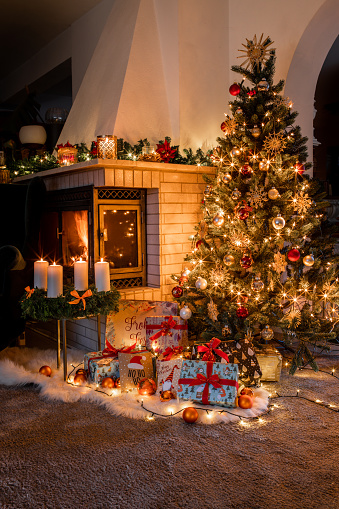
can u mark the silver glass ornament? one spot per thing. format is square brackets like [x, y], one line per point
[218, 220]
[185, 313]
[235, 152]
[227, 178]
[228, 259]
[267, 333]
[201, 283]
[256, 131]
[278, 222]
[273, 194]
[257, 285]
[263, 85]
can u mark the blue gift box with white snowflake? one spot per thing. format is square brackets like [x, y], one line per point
[208, 383]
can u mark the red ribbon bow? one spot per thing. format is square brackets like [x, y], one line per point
[211, 347]
[208, 380]
[75, 294]
[170, 351]
[165, 328]
[110, 351]
[67, 145]
[29, 292]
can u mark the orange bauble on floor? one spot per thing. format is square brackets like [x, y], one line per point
[190, 415]
[245, 401]
[45, 370]
[107, 383]
[147, 387]
[80, 379]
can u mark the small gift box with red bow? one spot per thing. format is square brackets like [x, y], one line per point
[213, 351]
[105, 363]
[165, 331]
[208, 383]
[168, 370]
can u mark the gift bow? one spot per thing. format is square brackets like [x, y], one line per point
[67, 145]
[208, 380]
[110, 351]
[29, 292]
[75, 294]
[170, 351]
[165, 328]
[211, 347]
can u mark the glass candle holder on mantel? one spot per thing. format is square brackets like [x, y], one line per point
[67, 154]
[107, 147]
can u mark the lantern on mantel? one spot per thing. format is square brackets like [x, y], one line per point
[67, 154]
[107, 147]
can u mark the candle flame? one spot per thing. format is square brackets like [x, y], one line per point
[101, 259]
[41, 259]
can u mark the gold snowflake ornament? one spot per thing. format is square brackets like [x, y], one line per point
[274, 143]
[219, 276]
[239, 240]
[212, 311]
[257, 197]
[301, 202]
[256, 52]
[279, 264]
[228, 126]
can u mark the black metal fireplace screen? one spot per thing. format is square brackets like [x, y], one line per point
[93, 223]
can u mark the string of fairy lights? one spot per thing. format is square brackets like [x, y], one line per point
[210, 413]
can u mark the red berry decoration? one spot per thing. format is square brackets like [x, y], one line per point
[177, 292]
[234, 89]
[246, 261]
[251, 93]
[243, 213]
[246, 170]
[293, 255]
[242, 312]
[190, 415]
[300, 168]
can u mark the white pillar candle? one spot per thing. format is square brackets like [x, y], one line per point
[80, 275]
[102, 276]
[40, 274]
[54, 280]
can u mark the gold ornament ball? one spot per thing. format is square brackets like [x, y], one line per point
[308, 260]
[273, 194]
[227, 178]
[235, 152]
[245, 401]
[257, 285]
[190, 415]
[218, 220]
[228, 260]
[201, 283]
[147, 387]
[80, 379]
[263, 166]
[45, 370]
[236, 194]
[263, 85]
[166, 396]
[278, 222]
[107, 383]
[267, 333]
[256, 132]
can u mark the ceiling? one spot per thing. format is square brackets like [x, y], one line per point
[28, 25]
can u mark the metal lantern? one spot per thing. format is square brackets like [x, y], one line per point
[107, 147]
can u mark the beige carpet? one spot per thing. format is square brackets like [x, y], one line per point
[67, 455]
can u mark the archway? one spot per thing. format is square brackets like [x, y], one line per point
[307, 63]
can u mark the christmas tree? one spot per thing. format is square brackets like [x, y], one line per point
[263, 254]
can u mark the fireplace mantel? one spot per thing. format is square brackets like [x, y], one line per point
[174, 194]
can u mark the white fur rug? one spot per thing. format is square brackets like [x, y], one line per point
[20, 366]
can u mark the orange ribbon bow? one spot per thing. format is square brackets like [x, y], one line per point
[29, 292]
[75, 294]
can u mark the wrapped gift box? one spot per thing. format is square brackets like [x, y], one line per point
[215, 351]
[168, 370]
[133, 367]
[208, 383]
[100, 366]
[128, 326]
[163, 332]
[270, 362]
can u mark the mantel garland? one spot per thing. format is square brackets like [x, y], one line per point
[35, 305]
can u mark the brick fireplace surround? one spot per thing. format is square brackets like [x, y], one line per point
[174, 194]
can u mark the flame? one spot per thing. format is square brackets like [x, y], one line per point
[80, 218]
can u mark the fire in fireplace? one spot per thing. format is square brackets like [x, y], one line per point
[93, 223]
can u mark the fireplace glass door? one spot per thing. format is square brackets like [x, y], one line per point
[121, 242]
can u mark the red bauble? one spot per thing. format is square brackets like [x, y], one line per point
[243, 213]
[199, 243]
[147, 387]
[190, 415]
[45, 370]
[234, 89]
[242, 312]
[183, 280]
[251, 92]
[293, 255]
[80, 379]
[107, 383]
[245, 401]
[246, 170]
[177, 292]
[246, 261]
[300, 168]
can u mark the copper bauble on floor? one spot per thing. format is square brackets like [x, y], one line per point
[190, 415]
[107, 383]
[245, 401]
[147, 387]
[45, 370]
[80, 379]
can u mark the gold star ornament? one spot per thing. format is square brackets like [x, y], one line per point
[256, 52]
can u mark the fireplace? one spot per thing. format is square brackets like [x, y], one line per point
[93, 223]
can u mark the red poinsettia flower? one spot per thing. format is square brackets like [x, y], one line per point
[94, 150]
[166, 152]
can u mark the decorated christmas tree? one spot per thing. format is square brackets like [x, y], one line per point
[262, 263]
